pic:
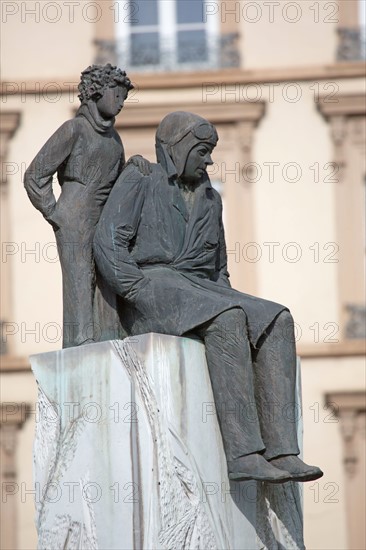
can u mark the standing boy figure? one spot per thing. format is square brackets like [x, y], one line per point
[88, 156]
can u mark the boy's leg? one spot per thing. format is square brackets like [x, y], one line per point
[78, 286]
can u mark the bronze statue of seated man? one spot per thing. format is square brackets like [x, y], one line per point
[160, 246]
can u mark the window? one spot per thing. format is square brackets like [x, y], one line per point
[167, 34]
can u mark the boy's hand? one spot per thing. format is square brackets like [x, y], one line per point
[141, 163]
[51, 220]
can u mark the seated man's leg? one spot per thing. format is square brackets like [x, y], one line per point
[275, 381]
[230, 366]
[275, 386]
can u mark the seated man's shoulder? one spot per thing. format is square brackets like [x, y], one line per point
[216, 196]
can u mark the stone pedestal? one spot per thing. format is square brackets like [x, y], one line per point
[128, 455]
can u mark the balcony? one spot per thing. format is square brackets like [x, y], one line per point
[204, 53]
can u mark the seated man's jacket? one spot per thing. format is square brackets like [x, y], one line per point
[168, 266]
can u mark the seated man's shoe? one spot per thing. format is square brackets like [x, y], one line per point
[299, 471]
[256, 467]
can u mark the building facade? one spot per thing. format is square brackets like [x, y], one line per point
[284, 83]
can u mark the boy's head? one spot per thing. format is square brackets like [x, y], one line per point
[96, 79]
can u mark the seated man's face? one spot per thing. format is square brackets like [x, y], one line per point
[112, 101]
[197, 161]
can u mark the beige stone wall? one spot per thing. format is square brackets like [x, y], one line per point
[285, 61]
[42, 41]
[270, 32]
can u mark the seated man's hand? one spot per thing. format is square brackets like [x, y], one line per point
[141, 297]
[141, 163]
[133, 294]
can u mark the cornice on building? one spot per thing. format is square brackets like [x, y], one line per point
[136, 115]
[14, 363]
[345, 348]
[346, 104]
[179, 80]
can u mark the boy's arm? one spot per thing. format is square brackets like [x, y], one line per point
[38, 177]
[143, 165]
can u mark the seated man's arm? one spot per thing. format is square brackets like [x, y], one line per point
[116, 230]
[38, 177]
[223, 272]
[122, 160]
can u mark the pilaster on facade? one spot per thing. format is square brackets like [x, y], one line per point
[347, 119]
[350, 409]
[347, 407]
[9, 123]
[12, 418]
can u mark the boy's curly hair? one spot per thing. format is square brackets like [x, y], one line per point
[97, 78]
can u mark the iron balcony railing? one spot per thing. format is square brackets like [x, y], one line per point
[211, 53]
[352, 44]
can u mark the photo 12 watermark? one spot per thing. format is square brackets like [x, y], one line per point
[270, 92]
[272, 11]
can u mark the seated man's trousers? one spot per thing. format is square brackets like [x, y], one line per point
[254, 389]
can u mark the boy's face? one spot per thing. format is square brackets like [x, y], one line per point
[112, 101]
[197, 161]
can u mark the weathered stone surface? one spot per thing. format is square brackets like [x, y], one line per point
[128, 455]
